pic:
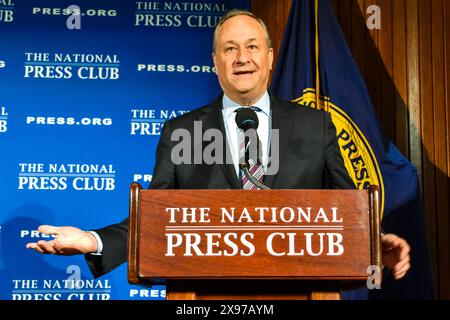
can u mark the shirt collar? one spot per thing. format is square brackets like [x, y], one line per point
[229, 106]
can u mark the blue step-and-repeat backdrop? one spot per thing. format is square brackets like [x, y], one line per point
[85, 86]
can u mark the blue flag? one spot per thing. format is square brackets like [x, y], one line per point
[370, 158]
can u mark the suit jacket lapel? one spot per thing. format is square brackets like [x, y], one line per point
[214, 119]
[283, 121]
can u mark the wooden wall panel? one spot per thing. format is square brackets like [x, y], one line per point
[358, 40]
[399, 76]
[446, 13]
[385, 81]
[440, 150]
[275, 14]
[406, 67]
[445, 241]
[373, 68]
[413, 99]
[343, 9]
[427, 126]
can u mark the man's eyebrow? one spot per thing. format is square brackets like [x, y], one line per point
[230, 42]
[234, 42]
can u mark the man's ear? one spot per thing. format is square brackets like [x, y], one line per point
[270, 58]
[214, 57]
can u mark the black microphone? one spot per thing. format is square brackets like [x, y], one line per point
[247, 119]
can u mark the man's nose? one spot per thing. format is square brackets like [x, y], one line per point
[242, 56]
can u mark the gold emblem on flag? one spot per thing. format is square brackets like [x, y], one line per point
[359, 159]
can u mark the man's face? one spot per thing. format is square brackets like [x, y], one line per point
[243, 59]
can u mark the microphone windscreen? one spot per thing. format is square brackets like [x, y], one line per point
[246, 118]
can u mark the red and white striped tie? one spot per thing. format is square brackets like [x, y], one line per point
[255, 168]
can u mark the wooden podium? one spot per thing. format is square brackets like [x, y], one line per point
[253, 244]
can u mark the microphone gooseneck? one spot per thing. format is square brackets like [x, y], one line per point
[246, 169]
[246, 118]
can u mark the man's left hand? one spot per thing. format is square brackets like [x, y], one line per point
[395, 251]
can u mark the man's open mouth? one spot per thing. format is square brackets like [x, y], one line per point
[244, 72]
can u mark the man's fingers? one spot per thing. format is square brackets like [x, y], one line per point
[34, 246]
[401, 247]
[387, 241]
[401, 264]
[46, 246]
[62, 248]
[396, 254]
[405, 248]
[401, 273]
[392, 242]
[46, 229]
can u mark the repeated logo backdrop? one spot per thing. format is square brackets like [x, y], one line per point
[85, 87]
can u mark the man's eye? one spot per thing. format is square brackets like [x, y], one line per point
[253, 47]
[230, 49]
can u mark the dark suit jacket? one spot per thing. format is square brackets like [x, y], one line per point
[309, 159]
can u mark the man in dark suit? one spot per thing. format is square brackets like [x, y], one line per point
[309, 156]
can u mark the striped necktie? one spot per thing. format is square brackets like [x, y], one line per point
[256, 168]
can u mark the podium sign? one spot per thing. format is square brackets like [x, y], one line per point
[252, 234]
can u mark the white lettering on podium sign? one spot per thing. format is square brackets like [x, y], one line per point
[3, 120]
[310, 232]
[66, 176]
[149, 122]
[166, 14]
[84, 66]
[6, 11]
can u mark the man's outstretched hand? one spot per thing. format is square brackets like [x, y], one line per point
[395, 252]
[68, 241]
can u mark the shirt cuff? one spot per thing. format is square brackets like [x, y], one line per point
[99, 244]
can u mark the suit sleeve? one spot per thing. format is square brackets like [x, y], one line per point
[164, 171]
[336, 175]
[115, 237]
